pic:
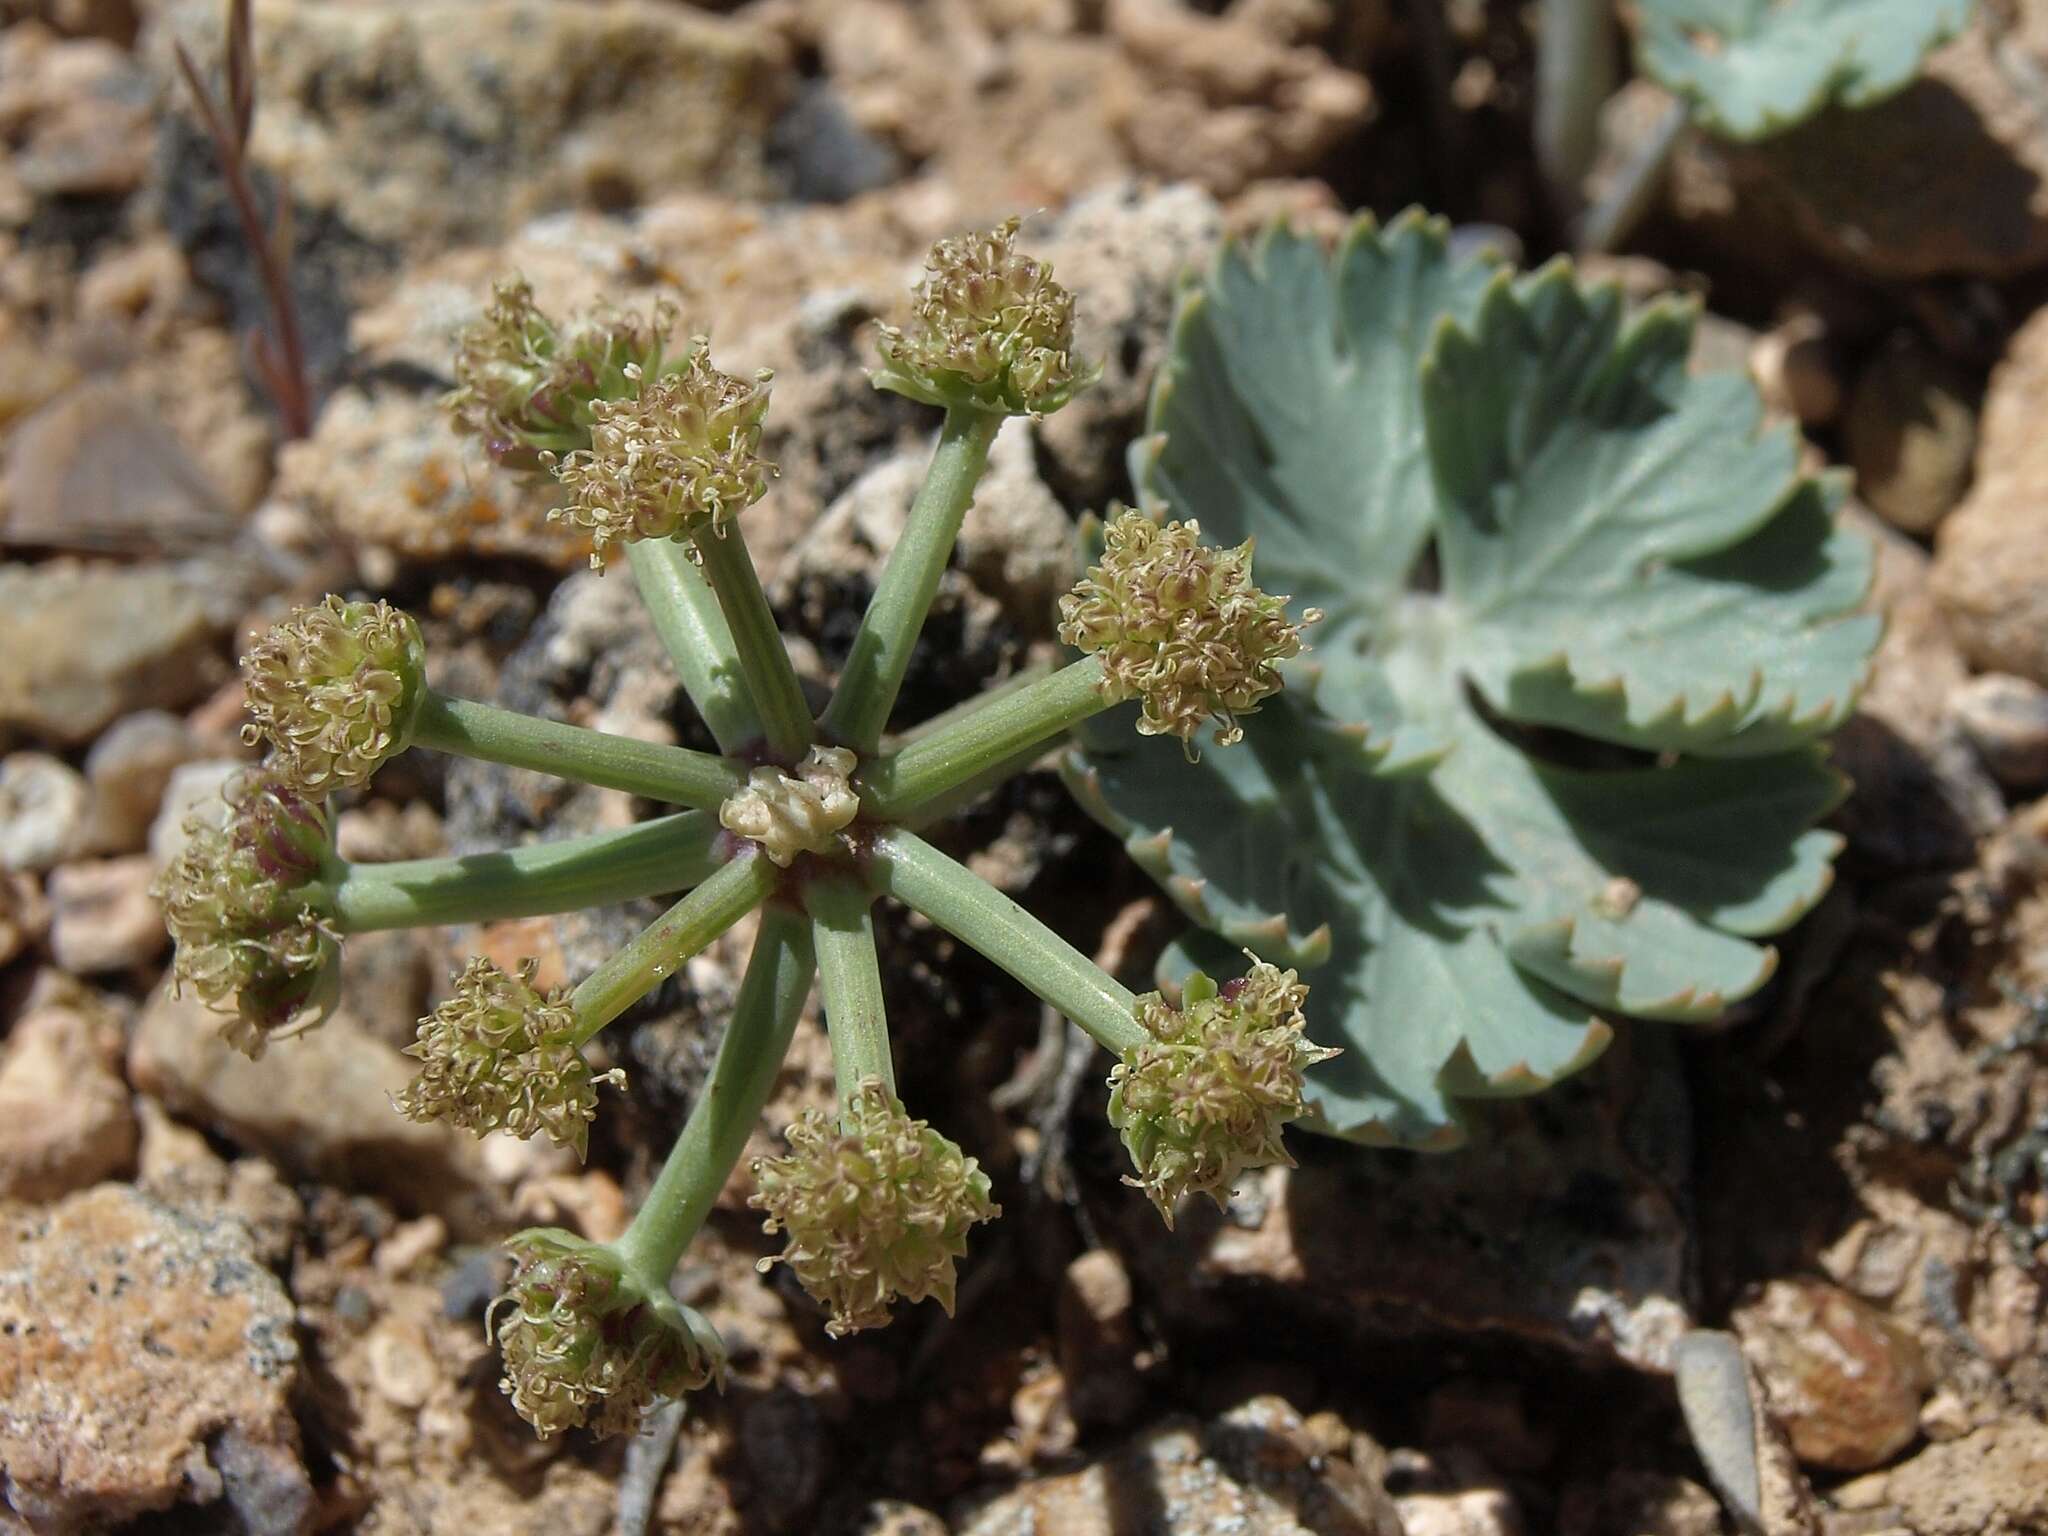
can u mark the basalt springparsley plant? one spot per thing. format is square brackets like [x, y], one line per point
[655, 453]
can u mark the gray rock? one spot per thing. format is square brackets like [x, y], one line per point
[1122, 250]
[44, 811]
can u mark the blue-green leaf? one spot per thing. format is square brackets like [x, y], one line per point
[1567, 530]
[1752, 68]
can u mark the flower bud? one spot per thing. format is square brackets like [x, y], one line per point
[501, 1056]
[248, 941]
[990, 329]
[788, 815]
[1205, 1097]
[678, 454]
[333, 690]
[1180, 626]
[876, 1205]
[587, 1342]
[529, 387]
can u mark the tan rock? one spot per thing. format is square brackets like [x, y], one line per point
[86, 643]
[373, 112]
[432, 1446]
[1223, 102]
[1991, 1483]
[24, 915]
[1991, 561]
[317, 1104]
[2006, 720]
[1843, 1381]
[146, 1359]
[102, 915]
[1256, 1471]
[1911, 434]
[65, 1120]
[129, 768]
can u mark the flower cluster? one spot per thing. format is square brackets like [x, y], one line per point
[671, 456]
[248, 940]
[501, 1055]
[876, 1205]
[1205, 1098]
[1180, 626]
[586, 1342]
[990, 330]
[333, 689]
[528, 386]
[791, 815]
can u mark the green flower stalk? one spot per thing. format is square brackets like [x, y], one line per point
[806, 820]
[1180, 626]
[875, 1205]
[242, 909]
[333, 691]
[679, 454]
[1205, 1097]
[528, 386]
[588, 1343]
[990, 331]
[500, 1055]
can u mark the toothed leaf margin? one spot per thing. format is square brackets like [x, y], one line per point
[1540, 521]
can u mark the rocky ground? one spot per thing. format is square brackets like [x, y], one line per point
[245, 1296]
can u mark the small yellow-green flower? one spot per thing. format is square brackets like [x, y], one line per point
[876, 1205]
[678, 454]
[528, 386]
[1205, 1098]
[585, 1342]
[792, 813]
[500, 1055]
[333, 690]
[1180, 626]
[248, 941]
[990, 330]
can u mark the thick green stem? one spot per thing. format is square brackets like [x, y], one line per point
[764, 660]
[757, 1039]
[897, 787]
[694, 633]
[674, 775]
[723, 899]
[668, 854]
[859, 711]
[850, 981]
[907, 867]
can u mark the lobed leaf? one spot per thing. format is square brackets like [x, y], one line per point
[1567, 530]
[1753, 68]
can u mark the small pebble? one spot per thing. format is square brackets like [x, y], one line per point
[44, 805]
[2006, 720]
[103, 917]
